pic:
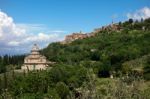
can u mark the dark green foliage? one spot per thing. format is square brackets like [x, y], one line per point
[62, 90]
[95, 56]
[147, 69]
[31, 83]
[2, 66]
[60, 80]
[52, 94]
[130, 21]
[5, 81]
[6, 62]
[104, 70]
[73, 76]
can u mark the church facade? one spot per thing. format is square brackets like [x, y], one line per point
[35, 61]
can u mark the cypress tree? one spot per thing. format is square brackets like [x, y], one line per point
[5, 80]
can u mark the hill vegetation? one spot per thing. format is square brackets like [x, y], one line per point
[107, 51]
[83, 68]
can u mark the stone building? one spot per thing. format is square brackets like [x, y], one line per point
[73, 37]
[35, 61]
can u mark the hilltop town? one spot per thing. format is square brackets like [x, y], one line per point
[108, 28]
[79, 35]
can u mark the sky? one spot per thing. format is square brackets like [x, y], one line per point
[25, 22]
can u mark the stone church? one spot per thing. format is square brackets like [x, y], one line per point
[35, 61]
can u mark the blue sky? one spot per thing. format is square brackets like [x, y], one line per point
[70, 15]
[67, 16]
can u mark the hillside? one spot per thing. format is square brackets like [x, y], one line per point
[84, 66]
[109, 49]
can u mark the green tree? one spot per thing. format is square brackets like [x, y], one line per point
[62, 89]
[130, 21]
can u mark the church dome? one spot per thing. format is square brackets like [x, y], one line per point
[35, 48]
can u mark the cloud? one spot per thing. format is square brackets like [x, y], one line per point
[13, 43]
[22, 36]
[40, 37]
[1, 35]
[7, 26]
[32, 27]
[58, 31]
[142, 13]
